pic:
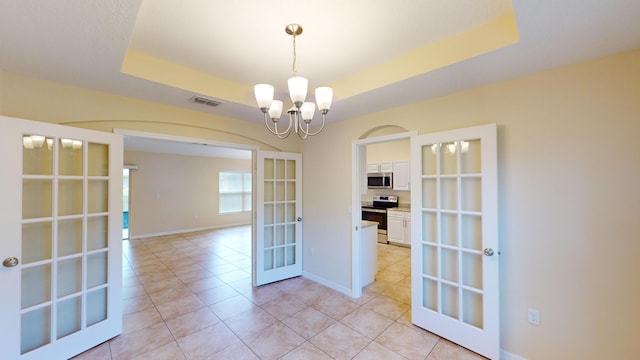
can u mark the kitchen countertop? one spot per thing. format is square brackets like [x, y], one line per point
[402, 207]
[367, 223]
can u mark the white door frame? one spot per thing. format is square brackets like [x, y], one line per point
[184, 139]
[358, 184]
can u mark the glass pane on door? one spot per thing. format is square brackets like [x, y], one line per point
[98, 159]
[35, 329]
[69, 237]
[37, 158]
[470, 157]
[36, 198]
[69, 316]
[96, 306]
[69, 277]
[36, 285]
[70, 159]
[36, 242]
[70, 195]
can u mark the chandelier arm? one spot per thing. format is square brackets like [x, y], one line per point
[285, 134]
[288, 131]
[316, 132]
[274, 131]
[304, 133]
[266, 123]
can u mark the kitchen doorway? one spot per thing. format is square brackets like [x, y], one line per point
[455, 255]
[359, 188]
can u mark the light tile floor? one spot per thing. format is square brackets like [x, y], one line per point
[189, 296]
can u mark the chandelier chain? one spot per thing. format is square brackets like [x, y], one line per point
[293, 66]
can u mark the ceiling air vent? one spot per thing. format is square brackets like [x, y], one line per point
[205, 101]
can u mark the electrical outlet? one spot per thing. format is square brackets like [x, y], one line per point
[534, 316]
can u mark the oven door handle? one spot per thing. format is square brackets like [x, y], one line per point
[379, 211]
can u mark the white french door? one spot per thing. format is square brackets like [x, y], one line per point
[277, 240]
[454, 246]
[60, 239]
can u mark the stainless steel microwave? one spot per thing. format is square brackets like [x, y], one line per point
[380, 180]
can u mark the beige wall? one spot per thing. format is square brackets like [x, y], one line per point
[175, 193]
[390, 151]
[568, 193]
[41, 100]
[1, 91]
[568, 202]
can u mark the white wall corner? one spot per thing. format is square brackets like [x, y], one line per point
[505, 355]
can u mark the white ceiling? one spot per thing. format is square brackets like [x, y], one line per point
[245, 41]
[84, 43]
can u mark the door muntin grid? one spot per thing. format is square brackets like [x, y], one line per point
[280, 222]
[452, 230]
[64, 282]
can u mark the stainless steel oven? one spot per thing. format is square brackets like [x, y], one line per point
[377, 211]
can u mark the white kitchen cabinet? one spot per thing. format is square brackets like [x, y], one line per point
[401, 175]
[386, 166]
[380, 167]
[399, 227]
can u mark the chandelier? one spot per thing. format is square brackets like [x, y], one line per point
[301, 113]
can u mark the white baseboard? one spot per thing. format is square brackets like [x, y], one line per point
[330, 284]
[184, 231]
[505, 355]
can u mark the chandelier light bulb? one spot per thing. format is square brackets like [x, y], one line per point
[307, 109]
[264, 95]
[275, 110]
[324, 96]
[298, 90]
